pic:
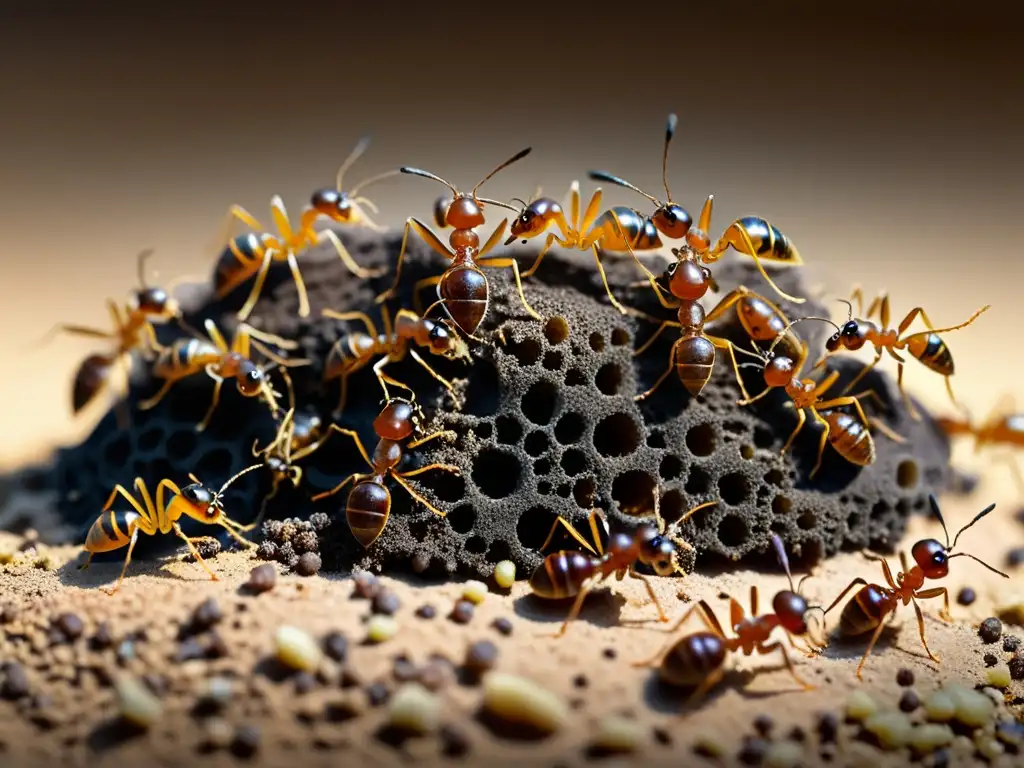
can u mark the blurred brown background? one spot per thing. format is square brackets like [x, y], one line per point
[885, 142]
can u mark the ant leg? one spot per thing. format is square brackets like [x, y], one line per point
[801, 419]
[353, 477]
[348, 261]
[654, 336]
[886, 570]
[234, 529]
[624, 236]
[952, 397]
[270, 338]
[661, 379]
[701, 691]
[514, 265]
[218, 383]
[548, 242]
[926, 594]
[730, 347]
[195, 552]
[417, 289]
[701, 610]
[426, 366]
[753, 599]
[257, 286]
[778, 646]
[455, 470]
[604, 277]
[755, 398]
[822, 441]
[561, 521]
[920, 629]
[351, 433]
[284, 362]
[124, 568]
[726, 303]
[342, 397]
[300, 285]
[415, 494]
[74, 330]
[577, 605]
[447, 434]
[145, 405]
[429, 238]
[493, 240]
[914, 414]
[871, 645]
[864, 371]
[650, 593]
[384, 379]
[362, 317]
[855, 583]
[722, 244]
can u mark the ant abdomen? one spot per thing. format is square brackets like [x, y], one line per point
[92, 376]
[367, 511]
[694, 361]
[932, 352]
[864, 611]
[850, 438]
[768, 240]
[464, 290]
[232, 271]
[562, 574]
[692, 659]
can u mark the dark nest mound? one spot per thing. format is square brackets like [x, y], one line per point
[546, 426]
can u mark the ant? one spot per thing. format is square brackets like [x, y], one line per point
[927, 346]
[354, 350]
[849, 435]
[253, 253]
[571, 573]
[116, 528]
[462, 288]
[873, 602]
[698, 659]
[347, 207]
[133, 330]
[1002, 426]
[187, 357]
[369, 502]
[751, 236]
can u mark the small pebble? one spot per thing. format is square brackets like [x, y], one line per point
[1011, 643]
[70, 625]
[474, 591]
[206, 614]
[905, 677]
[828, 727]
[101, 639]
[481, 657]
[262, 578]
[217, 690]
[990, 659]
[1010, 732]
[966, 596]
[267, 550]
[763, 724]
[304, 682]
[297, 649]
[892, 729]
[1017, 667]
[502, 625]
[308, 564]
[990, 630]
[377, 694]
[519, 700]
[386, 602]
[860, 706]
[617, 734]
[15, 681]
[783, 754]
[580, 681]
[1015, 557]
[381, 628]
[940, 706]
[999, 676]
[454, 743]
[505, 574]
[462, 613]
[413, 708]
[246, 742]
[365, 585]
[797, 733]
[928, 737]
[753, 751]
[909, 701]
[336, 646]
[426, 611]
[610, 653]
[136, 702]
[435, 674]
[420, 562]
[403, 670]
[217, 733]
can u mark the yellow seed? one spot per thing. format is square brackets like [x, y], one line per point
[519, 700]
[940, 706]
[618, 734]
[505, 574]
[928, 737]
[784, 754]
[297, 649]
[892, 729]
[414, 708]
[972, 708]
[474, 591]
[137, 703]
[709, 745]
[380, 628]
[999, 676]
[860, 706]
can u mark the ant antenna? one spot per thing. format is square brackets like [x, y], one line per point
[367, 182]
[938, 514]
[218, 494]
[354, 155]
[670, 131]
[489, 201]
[520, 200]
[849, 304]
[140, 265]
[517, 156]
[791, 323]
[605, 176]
[780, 551]
[429, 175]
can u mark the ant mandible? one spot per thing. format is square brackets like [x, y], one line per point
[698, 659]
[462, 288]
[926, 346]
[873, 602]
[1002, 426]
[751, 236]
[116, 528]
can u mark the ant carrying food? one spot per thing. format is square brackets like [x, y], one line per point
[187, 357]
[354, 350]
[872, 603]
[462, 288]
[571, 573]
[369, 502]
[1003, 426]
[116, 528]
[698, 660]
[926, 346]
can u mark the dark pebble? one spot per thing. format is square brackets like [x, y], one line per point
[503, 625]
[101, 639]
[70, 625]
[1017, 667]
[262, 578]
[481, 656]
[580, 681]
[937, 759]
[454, 743]
[306, 541]
[365, 585]
[990, 630]
[377, 694]
[426, 611]
[462, 613]
[287, 556]
[15, 681]
[273, 530]
[1011, 643]
[909, 701]
[990, 659]
[7, 614]
[609, 653]
[662, 735]
[386, 602]
[308, 564]
[190, 648]
[157, 684]
[966, 596]
[1015, 557]
[753, 752]
[206, 614]
[208, 548]
[904, 677]
[246, 742]
[797, 734]
[420, 562]
[267, 550]
[336, 646]
[304, 682]
[403, 670]
[1010, 732]
[435, 674]
[828, 727]
[763, 724]
[216, 647]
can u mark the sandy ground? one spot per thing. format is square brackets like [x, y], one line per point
[71, 713]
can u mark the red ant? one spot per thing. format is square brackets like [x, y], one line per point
[873, 602]
[698, 659]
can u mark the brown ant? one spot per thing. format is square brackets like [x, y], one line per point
[873, 602]
[187, 357]
[698, 659]
[571, 573]
[927, 346]
[348, 207]
[369, 502]
[354, 350]
[1002, 426]
[751, 236]
[462, 288]
[116, 528]
[849, 435]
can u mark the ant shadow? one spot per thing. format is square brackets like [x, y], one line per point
[673, 700]
[105, 568]
[842, 648]
[113, 734]
[601, 609]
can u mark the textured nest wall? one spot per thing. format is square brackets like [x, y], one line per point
[546, 425]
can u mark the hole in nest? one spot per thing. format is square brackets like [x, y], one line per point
[498, 551]
[476, 545]
[774, 477]
[117, 451]
[575, 378]
[182, 443]
[573, 462]
[853, 521]
[880, 509]
[149, 439]
[556, 330]
[583, 492]
[597, 342]
[734, 488]
[213, 465]
[634, 491]
[732, 531]
[672, 506]
[483, 430]
[534, 526]
[536, 443]
[698, 482]
[763, 437]
[496, 473]
[617, 435]
[563, 490]
[781, 505]
[538, 404]
[483, 395]
[569, 428]
[509, 430]
[462, 518]
[735, 427]
[670, 468]
[807, 521]
[656, 440]
[620, 336]
[419, 530]
[700, 439]
[527, 351]
[553, 360]
[544, 487]
[907, 473]
[446, 486]
[541, 467]
[747, 451]
[609, 378]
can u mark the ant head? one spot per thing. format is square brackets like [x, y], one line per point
[155, 303]
[398, 419]
[688, 280]
[441, 206]
[333, 204]
[779, 371]
[204, 504]
[852, 335]
[533, 219]
[791, 607]
[250, 379]
[444, 340]
[672, 220]
[464, 212]
[656, 550]
[933, 557]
